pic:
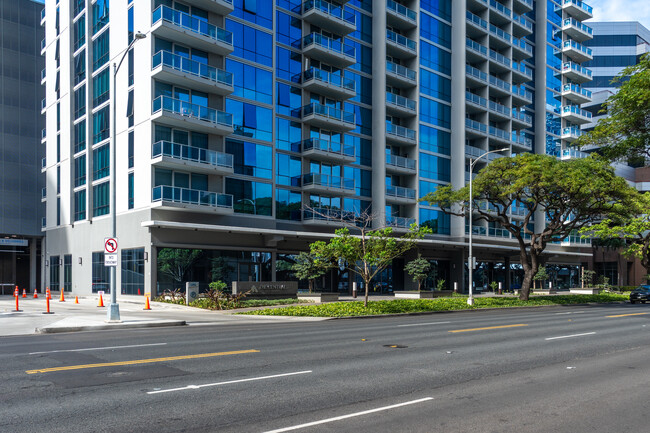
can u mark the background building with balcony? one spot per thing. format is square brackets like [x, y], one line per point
[21, 151]
[249, 129]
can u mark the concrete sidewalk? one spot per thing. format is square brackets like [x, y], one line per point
[87, 316]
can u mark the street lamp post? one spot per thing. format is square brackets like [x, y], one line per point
[114, 308]
[470, 259]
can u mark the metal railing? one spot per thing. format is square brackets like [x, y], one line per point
[399, 222]
[520, 43]
[400, 161]
[475, 19]
[575, 23]
[522, 20]
[400, 192]
[500, 33]
[400, 131]
[327, 180]
[477, 126]
[334, 11]
[192, 67]
[498, 108]
[400, 101]
[475, 99]
[166, 103]
[522, 69]
[410, 44]
[329, 78]
[522, 92]
[191, 196]
[191, 153]
[575, 109]
[330, 112]
[475, 46]
[476, 73]
[500, 58]
[494, 81]
[400, 70]
[192, 24]
[330, 45]
[581, 5]
[401, 10]
[576, 89]
[579, 47]
[501, 8]
[328, 146]
[570, 66]
[327, 214]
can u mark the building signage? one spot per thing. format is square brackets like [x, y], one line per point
[14, 242]
[110, 245]
[110, 259]
[270, 289]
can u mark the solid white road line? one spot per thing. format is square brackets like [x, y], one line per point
[422, 324]
[228, 382]
[570, 312]
[338, 418]
[99, 348]
[569, 336]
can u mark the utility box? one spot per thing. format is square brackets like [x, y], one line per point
[191, 291]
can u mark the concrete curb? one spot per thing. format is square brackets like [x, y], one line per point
[157, 324]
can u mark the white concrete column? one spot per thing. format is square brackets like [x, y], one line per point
[33, 264]
[540, 94]
[458, 35]
[379, 111]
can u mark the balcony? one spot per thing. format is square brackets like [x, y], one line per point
[43, 164]
[400, 76]
[328, 84]
[327, 117]
[521, 73]
[399, 16]
[577, 9]
[331, 51]
[188, 30]
[400, 165]
[570, 134]
[523, 6]
[576, 51]
[477, 103]
[521, 95]
[576, 73]
[182, 114]
[219, 7]
[503, 14]
[397, 105]
[43, 46]
[400, 46]
[499, 38]
[476, 26]
[521, 25]
[576, 94]
[175, 198]
[474, 127]
[521, 120]
[43, 76]
[576, 30]
[400, 136]
[42, 16]
[397, 222]
[323, 150]
[498, 86]
[43, 194]
[43, 105]
[400, 195]
[179, 156]
[520, 49]
[326, 216]
[324, 183]
[574, 114]
[172, 68]
[475, 76]
[499, 134]
[475, 51]
[521, 141]
[43, 134]
[501, 62]
[573, 153]
[338, 19]
[498, 110]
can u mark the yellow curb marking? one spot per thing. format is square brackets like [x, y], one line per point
[489, 327]
[631, 314]
[138, 361]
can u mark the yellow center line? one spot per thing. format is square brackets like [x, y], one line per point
[139, 361]
[489, 327]
[630, 314]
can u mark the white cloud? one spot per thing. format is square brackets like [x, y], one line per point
[621, 10]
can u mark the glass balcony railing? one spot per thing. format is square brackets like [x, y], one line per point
[192, 24]
[400, 192]
[400, 131]
[328, 146]
[576, 89]
[570, 66]
[400, 70]
[328, 214]
[493, 131]
[42, 74]
[327, 180]
[192, 67]
[399, 222]
[473, 72]
[578, 47]
[574, 109]
[475, 46]
[191, 196]
[475, 99]
[176, 106]
[329, 78]
[573, 153]
[43, 133]
[475, 19]
[476, 230]
[400, 101]
[43, 103]
[498, 232]
[505, 36]
[334, 11]
[495, 107]
[400, 161]
[520, 43]
[500, 58]
[329, 44]
[501, 8]
[191, 153]
[522, 141]
[330, 112]
[403, 41]
[42, 44]
[43, 163]
[522, 92]
[521, 20]
[575, 23]
[476, 126]
[42, 14]
[522, 69]
[401, 10]
[497, 82]
[519, 115]
[581, 5]
[44, 193]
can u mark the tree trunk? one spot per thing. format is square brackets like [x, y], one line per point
[530, 264]
[365, 300]
[524, 292]
[311, 285]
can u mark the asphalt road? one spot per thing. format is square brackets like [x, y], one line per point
[571, 369]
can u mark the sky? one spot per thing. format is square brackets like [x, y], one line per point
[621, 10]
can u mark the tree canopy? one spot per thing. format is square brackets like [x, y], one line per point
[571, 193]
[175, 262]
[625, 133]
[309, 267]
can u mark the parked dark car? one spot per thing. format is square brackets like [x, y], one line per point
[640, 294]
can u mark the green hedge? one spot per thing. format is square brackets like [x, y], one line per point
[348, 309]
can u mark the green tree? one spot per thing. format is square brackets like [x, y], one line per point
[309, 267]
[541, 275]
[633, 229]
[625, 133]
[175, 262]
[418, 269]
[370, 251]
[220, 269]
[571, 193]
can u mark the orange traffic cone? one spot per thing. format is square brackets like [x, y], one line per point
[101, 301]
[24, 293]
[76, 299]
[35, 294]
[62, 298]
[146, 303]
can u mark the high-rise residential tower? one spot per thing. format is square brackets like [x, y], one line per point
[21, 151]
[248, 129]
